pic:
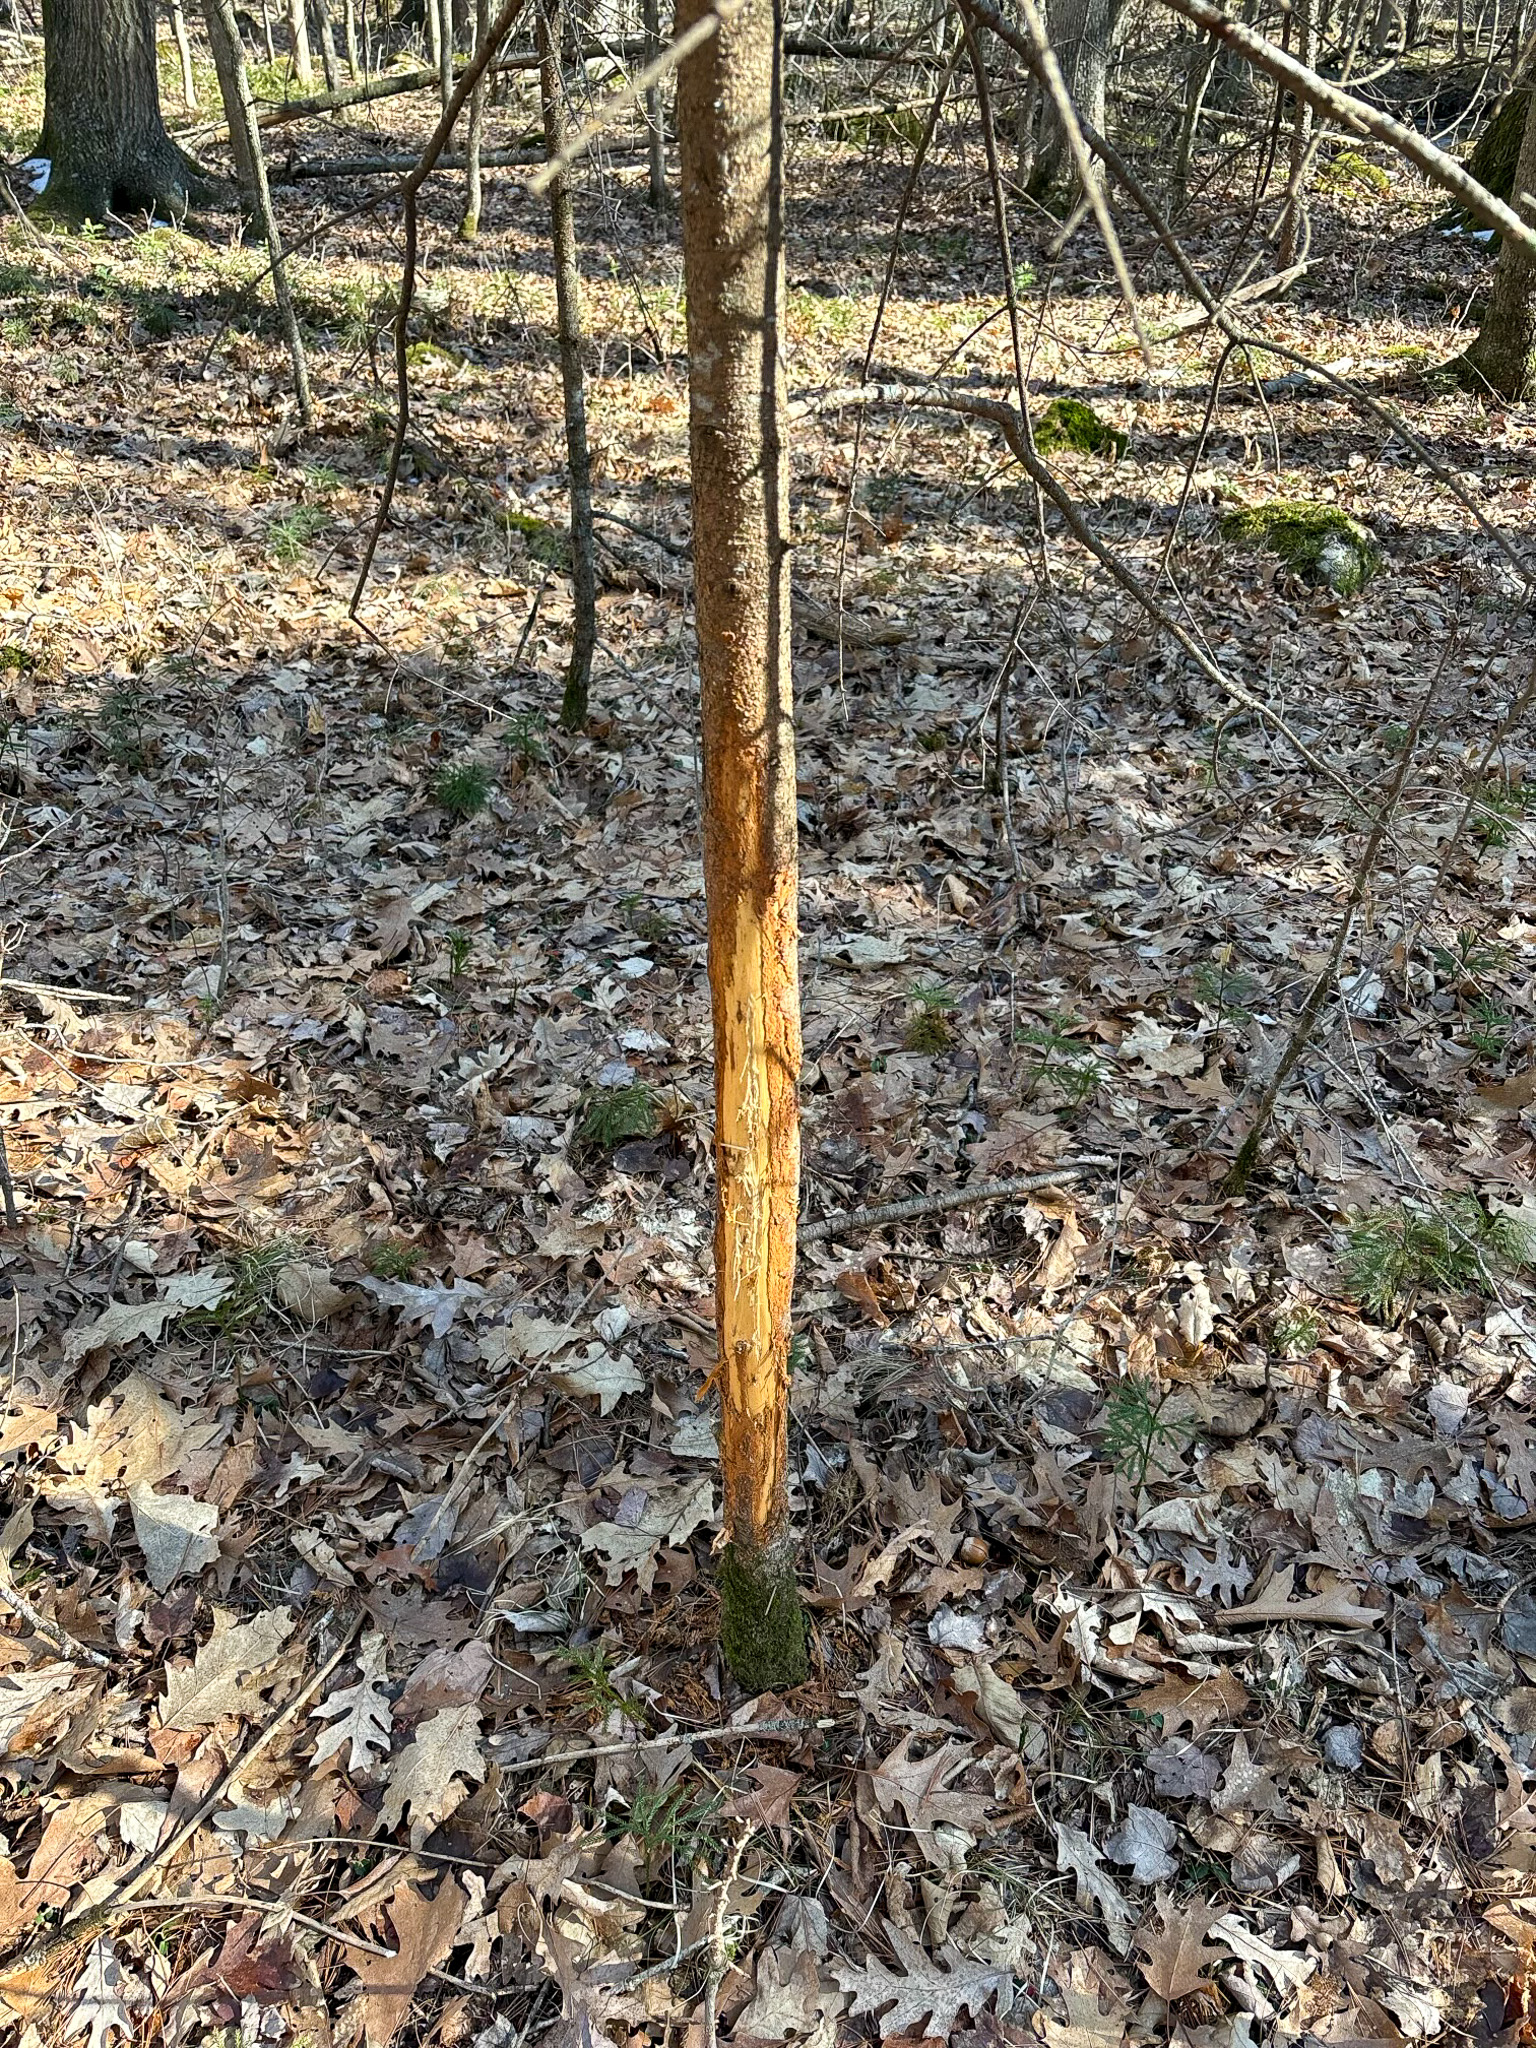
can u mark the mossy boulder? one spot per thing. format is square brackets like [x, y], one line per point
[1067, 423]
[1320, 542]
[1350, 171]
[545, 542]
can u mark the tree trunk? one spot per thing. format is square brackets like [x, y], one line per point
[240, 110]
[102, 129]
[729, 115]
[327, 43]
[184, 54]
[1503, 357]
[349, 36]
[562, 221]
[1082, 33]
[298, 29]
[656, 131]
[229, 63]
[1497, 148]
[469, 227]
[1295, 228]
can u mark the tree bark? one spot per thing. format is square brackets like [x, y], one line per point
[1503, 357]
[1082, 33]
[229, 63]
[240, 110]
[298, 29]
[656, 133]
[729, 115]
[474, 140]
[184, 55]
[1295, 230]
[562, 221]
[102, 129]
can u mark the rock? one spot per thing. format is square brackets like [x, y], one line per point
[1317, 541]
[1067, 423]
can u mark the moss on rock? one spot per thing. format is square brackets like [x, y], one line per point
[1069, 423]
[1321, 542]
[1350, 169]
[762, 1624]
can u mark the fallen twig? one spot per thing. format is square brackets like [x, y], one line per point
[938, 1205]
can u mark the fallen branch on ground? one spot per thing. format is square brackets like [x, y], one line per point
[939, 1205]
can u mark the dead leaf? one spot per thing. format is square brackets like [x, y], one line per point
[1177, 1960]
[426, 1775]
[1274, 1603]
[229, 1673]
[1076, 1853]
[1143, 1840]
[361, 1713]
[926, 1998]
[424, 1931]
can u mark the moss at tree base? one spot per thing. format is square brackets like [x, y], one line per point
[762, 1624]
[1318, 541]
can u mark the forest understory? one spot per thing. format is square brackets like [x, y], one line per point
[1168, 1551]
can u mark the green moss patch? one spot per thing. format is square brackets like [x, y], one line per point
[1320, 542]
[762, 1624]
[546, 543]
[1069, 423]
[1350, 171]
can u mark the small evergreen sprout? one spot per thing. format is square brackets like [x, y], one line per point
[928, 1028]
[1397, 1253]
[611, 1115]
[394, 1258]
[462, 790]
[1140, 1424]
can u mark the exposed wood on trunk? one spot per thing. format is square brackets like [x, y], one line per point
[733, 254]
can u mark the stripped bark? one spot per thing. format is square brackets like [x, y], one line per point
[729, 131]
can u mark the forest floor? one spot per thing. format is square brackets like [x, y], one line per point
[1169, 1555]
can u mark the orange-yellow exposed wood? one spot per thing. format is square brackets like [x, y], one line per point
[729, 130]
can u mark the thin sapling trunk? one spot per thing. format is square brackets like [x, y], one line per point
[562, 221]
[729, 114]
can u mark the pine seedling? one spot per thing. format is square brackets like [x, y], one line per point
[394, 1258]
[1062, 1061]
[1394, 1254]
[673, 1823]
[292, 531]
[524, 736]
[1139, 1425]
[1226, 989]
[462, 790]
[1490, 1028]
[610, 1115]
[593, 1687]
[1498, 807]
[928, 1028]
[1296, 1331]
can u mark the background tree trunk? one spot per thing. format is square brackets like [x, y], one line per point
[229, 63]
[562, 221]
[469, 227]
[1083, 35]
[656, 138]
[184, 55]
[729, 136]
[102, 128]
[240, 109]
[1503, 356]
[298, 29]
